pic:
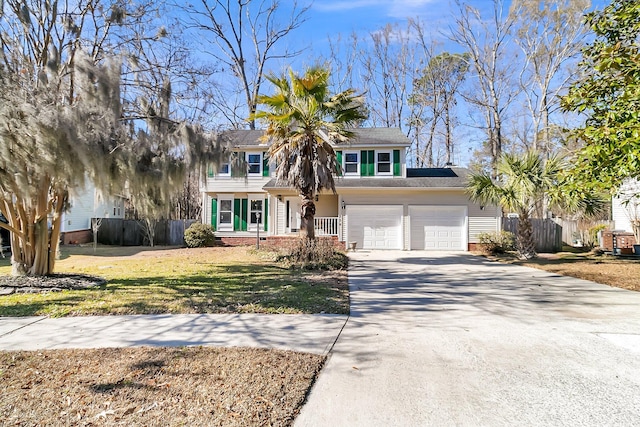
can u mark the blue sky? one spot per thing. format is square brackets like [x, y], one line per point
[328, 18]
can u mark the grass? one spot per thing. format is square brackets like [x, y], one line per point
[609, 270]
[192, 386]
[177, 280]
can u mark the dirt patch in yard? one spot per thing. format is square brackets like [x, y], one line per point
[194, 386]
[616, 271]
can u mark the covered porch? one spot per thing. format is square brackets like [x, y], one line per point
[285, 218]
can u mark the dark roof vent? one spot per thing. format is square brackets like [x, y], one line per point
[431, 173]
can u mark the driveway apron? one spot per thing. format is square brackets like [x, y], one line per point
[453, 339]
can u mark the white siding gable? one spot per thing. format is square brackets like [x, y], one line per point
[625, 206]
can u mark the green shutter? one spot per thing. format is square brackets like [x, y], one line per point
[265, 164]
[364, 170]
[236, 214]
[210, 173]
[245, 207]
[214, 213]
[371, 163]
[396, 163]
[266, 215]
[339, 162]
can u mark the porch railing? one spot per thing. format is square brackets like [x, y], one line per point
[326, 226]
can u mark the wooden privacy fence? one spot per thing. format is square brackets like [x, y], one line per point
[573, 230]
[546, 233]
[130, 232]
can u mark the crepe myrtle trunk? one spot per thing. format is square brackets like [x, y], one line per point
[307, 215]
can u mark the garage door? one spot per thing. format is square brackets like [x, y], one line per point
[438, 227]
[375, 227]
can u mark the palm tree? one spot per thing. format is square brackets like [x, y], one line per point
[304, 120]
[524, 182]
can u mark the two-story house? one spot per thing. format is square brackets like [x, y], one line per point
[379, 202]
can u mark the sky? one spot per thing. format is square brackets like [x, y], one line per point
[328, 18]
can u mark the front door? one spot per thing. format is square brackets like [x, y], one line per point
[293, 214]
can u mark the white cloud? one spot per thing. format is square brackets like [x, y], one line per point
[393, 8]
[343, 5]
[411, 8]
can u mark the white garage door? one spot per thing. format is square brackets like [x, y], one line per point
[438, 227]
[375, 227]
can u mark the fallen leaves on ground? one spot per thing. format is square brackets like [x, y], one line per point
[194, 386]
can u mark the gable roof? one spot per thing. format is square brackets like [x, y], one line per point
[244, 138]
[424, 178]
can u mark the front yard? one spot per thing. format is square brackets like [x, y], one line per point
[207, 280]
[167, 386]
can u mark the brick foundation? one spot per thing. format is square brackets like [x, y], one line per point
[76, 237]
[472, 247]
[270, 241]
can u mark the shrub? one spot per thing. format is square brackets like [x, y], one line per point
[593, 235]
[199, 235]
[318, 254]
[496, 243]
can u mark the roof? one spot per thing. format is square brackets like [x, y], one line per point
[432, 178]
[364, 137]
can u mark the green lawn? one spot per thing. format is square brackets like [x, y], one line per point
[208, 280]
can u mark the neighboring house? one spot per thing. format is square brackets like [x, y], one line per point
[85, 204]
[625, 206]
[380, 203]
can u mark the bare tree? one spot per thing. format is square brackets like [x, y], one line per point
[550, 35]
[486, 40]
[436, 90]
[388, 69]
[244, 36]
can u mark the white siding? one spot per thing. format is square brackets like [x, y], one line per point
[620, 215]
[625, 207]
[281, 217]
[80, 211]
[235, 185]
[89, 203]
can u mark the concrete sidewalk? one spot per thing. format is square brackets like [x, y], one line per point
[305, 333]
[437, 339]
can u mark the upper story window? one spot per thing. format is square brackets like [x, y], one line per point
[351, 163]
[383, 162]
[254, 163]
[225, 169]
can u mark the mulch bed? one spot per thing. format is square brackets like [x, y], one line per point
[53, 283]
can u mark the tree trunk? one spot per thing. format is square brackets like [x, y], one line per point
[307, 215]
[526, 243]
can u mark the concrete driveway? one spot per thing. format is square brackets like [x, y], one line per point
[452, 339]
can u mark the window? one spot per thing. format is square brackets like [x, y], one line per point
[117, 207]
[225, 169]
[254, 161]
[226, 213]
[351, 163]
[256, 208]
[383, 160]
